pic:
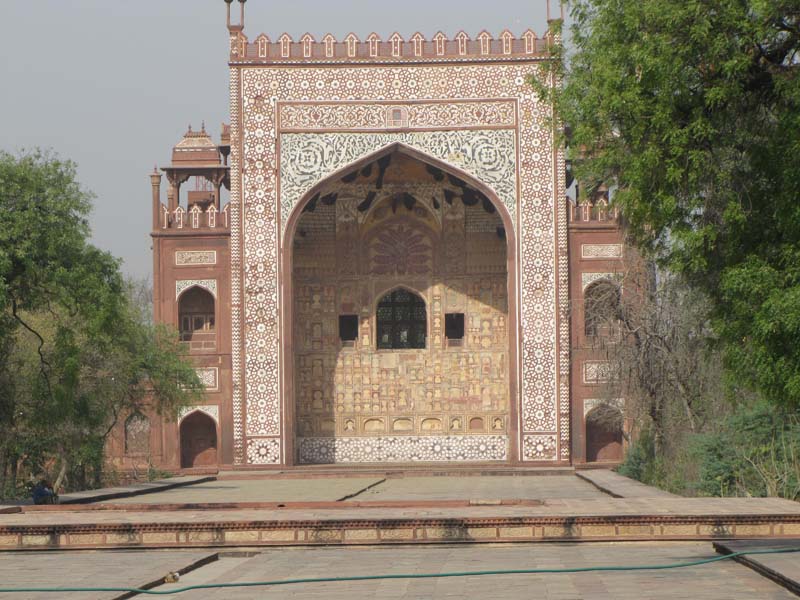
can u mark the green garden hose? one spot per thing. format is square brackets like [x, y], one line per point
[209, 586]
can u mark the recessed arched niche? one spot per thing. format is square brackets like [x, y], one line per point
[604, 425]
[476, 424]
[431, 425]
[403, 425]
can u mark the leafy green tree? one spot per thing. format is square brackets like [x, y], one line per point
[76, 352]
[691, 108]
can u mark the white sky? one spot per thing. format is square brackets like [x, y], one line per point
[113, 84]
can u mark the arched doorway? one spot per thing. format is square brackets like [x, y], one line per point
[604, 434]
[400, 224]
[198, 436]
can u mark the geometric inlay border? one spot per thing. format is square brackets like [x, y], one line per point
[601, 251]
[183, 284]
[589, 278]
[212, 410]
[391, 449]
[264, 451]
[308, 158]
[209, 377]
[591, 403]
[185, 258]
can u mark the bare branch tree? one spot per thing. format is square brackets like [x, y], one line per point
[656, 335]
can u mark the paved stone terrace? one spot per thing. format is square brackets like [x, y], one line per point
[416, 489]
[408, 489]
[134, 489]
[259, 490]
[606, 507]
[90, 569]
[731, 581]
[123, 491]
[720, 580]
[618, 486]
[784, 568]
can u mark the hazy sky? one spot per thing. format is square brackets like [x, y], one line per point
[113, 84]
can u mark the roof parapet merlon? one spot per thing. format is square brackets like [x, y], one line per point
[395, 49]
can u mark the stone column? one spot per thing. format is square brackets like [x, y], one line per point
[155, 181]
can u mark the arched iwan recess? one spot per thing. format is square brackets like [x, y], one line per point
[399, 220]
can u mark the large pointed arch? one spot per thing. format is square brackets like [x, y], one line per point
[286, 300]
[405, 149]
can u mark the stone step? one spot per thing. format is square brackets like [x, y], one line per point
[551, 520]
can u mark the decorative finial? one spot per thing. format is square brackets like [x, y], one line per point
[190, 128]
[203, 126]
[240, 26]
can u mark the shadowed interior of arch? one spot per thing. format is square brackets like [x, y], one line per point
[400, 310]
[604, 425]
[196, 318]
[198, 440]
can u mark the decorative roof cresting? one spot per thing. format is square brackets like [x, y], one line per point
[484, 46]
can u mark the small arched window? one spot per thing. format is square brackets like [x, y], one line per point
[402, 321]
[137, 434]
[601, 309]
[196, 318]
[397, 116]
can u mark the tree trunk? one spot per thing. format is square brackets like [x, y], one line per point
[3, 472]
[656, 418]
[684, 392]
[97, 474]
[658, 442]
[61, 474]
[14, 470]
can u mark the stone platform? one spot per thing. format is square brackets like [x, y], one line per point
[175, 526]
[407, 509]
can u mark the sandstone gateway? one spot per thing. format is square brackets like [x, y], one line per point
[397, 277]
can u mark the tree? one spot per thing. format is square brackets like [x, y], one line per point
[660, 358]
[691, 109]
[76, 352]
